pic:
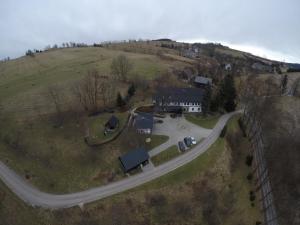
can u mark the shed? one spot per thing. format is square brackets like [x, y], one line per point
[143, 123]
[202, 81]
[112, 123]
[134, 159]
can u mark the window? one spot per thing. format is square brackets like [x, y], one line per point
[192, 109]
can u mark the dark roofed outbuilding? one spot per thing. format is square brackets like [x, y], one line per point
[134, 159]
[202, 81]
[143, 122]
[112, 123]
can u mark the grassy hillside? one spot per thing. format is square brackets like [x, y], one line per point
[56, 158]
[23, 81]
[212, 189]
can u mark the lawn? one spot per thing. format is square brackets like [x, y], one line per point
[207, 122]
[24, 81]
[210, 190]
[166, 155]
[156, 140]
[96, 126]
[56, 159]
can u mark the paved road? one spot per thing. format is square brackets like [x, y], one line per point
[177, 129]
[35, 197]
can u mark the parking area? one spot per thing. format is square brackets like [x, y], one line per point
[177, 129]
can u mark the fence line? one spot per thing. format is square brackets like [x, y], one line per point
[253, 130]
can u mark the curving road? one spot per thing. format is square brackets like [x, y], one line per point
[35, 197]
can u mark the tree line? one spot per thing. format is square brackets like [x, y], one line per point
[31, 52]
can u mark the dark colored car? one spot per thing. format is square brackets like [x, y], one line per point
[181, 146]
[160, 115]
[159, 121]
[188, 141]
[173, 115]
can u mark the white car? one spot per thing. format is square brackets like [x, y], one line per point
[193, 140]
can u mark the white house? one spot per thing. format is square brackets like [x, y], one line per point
[228, 67]
[178, 100]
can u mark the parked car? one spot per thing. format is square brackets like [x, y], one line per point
[160, 115]
[188, 141]
[159, 121]
[181, 146]
[193, 140]
[173, 115]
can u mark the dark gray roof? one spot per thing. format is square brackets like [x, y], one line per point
[143, 121]
[202, 80]
[133, 159]
[170, 109]
[166, 95]
[112, 122]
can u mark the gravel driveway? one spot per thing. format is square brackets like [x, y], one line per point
[177, 129]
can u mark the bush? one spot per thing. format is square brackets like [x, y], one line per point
[131, 90]
[249, 160]
[29, 53]
[251, 196]
[249, 176]
[223, 132]
[120, 101]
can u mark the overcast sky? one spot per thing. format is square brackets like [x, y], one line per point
[269, 28]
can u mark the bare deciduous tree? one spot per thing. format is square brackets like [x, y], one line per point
[120, 67]
[93, 91]
[107, 92]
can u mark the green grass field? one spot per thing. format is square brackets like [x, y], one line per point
[156, 140]
[207, 122]
[210, 182]
[166, 155]
[24, 81]
[96, 126]
[56, 159]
